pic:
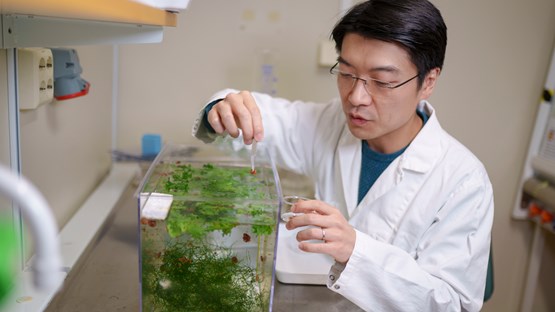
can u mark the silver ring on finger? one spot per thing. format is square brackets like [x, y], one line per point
[323, 234]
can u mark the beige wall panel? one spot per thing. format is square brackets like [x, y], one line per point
[65, 145]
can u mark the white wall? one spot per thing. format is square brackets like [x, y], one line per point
[497, 57]
[65, 145]
[497, 60]
[219, 44]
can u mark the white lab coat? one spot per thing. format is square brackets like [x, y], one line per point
[423, 229]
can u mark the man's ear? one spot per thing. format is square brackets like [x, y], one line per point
[429, 83]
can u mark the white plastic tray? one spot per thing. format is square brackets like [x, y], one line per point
[294, 266]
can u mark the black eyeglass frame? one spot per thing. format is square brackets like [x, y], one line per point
[382, 84]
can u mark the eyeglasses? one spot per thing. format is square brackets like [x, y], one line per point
[347, 81]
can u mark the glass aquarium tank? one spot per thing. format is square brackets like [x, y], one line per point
[208, 230]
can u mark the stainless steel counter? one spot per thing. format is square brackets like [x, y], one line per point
[107, 279]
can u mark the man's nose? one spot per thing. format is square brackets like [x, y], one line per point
[359, 95]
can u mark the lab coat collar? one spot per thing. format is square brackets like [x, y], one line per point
[349, 153]
[425, 148]
[420, 157]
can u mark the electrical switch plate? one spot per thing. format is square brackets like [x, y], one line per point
[327, 56]
[35, 77]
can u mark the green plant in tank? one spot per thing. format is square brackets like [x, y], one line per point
[217, 182]
[180, 179]
[263, 223]
[199, 218]
[224, 191]
[197, 277]
[189, 271]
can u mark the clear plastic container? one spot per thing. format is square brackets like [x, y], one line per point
[215, 250]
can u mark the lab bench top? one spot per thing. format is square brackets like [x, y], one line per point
[107, 276]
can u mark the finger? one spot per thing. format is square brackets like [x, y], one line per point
[315, 247]
[312, 241]
[313, 233]
[215, 122]
[313, 206]
[242, 116]
[256, 116]
[227, 120]
[331, 249]
[305, 219]
[332, 245]
[244, 120]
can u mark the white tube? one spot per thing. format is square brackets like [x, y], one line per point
[41, 222]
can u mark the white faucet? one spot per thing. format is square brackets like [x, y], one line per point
[37, 214]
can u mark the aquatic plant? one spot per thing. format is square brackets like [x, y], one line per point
[224, 194]
[199, 277]
[193, 270]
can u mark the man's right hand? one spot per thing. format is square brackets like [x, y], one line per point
[237, 111]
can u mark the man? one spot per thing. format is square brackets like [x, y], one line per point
[412, 210]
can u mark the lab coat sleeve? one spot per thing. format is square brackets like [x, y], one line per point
[282, 120]
[447, 271]
[200, 131]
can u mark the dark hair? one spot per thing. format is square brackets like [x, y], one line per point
[416, 25]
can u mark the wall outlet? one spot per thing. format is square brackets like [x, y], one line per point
[35, 77]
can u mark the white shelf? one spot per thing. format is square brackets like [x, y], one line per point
[39, 23]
